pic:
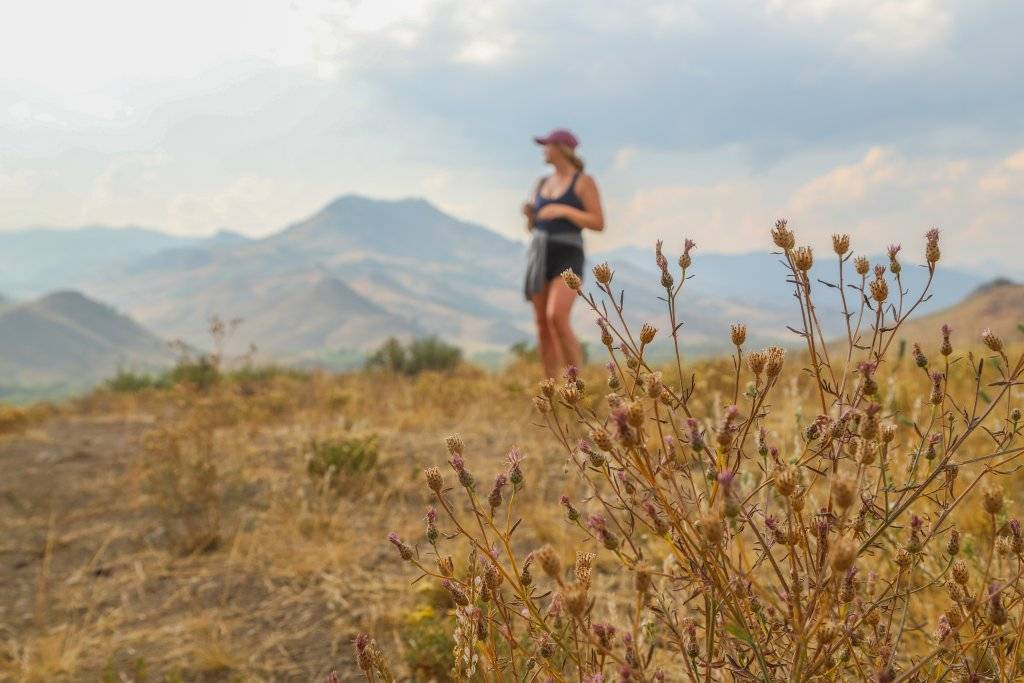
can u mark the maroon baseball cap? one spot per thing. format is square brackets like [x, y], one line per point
[559, 136]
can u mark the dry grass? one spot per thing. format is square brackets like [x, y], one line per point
[181, 534]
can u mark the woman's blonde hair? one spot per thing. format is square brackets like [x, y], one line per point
[570, 154]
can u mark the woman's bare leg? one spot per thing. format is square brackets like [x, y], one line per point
[560, 301]
[547, 345]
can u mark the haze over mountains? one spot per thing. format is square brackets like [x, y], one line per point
[65, 337]
[358, 271]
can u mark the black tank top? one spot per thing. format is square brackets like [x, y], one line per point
[569, 197]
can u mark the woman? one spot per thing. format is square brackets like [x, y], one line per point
[565, 204]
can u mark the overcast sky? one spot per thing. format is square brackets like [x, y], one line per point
[704, 118]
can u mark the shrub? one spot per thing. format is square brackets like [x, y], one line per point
[727, 553]
[130, 382]
[200, 373]
[13, 420]
[342, 456]
[429, 353]
[184, 481]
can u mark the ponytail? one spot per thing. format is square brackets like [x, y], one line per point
[570, 154]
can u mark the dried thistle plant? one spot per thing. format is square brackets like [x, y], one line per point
[712, 550]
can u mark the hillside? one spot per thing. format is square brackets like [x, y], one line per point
[67, 337]
[398, 267]
[998, 305]
[38, 260]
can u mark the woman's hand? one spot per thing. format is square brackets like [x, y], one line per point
[552, 212]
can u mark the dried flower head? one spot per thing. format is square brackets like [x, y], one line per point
[843, 554]
[738, 334]
[840, 244]
[844, 491]
[549, 561]
[404, 549]
[572, 280]
[992, 340]
[861, 265]
[756, 361]
[992, 499]
[782, 236]
[603, 273]
[879, 289]
[458, 595]
[803, 259]
[776, 356]
[785, 480]
[454, 444]
[960, 573]
[647, 333]
[931, 250]
[946, 348]
[435, 481]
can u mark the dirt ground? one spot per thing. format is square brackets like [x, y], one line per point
[89, 592]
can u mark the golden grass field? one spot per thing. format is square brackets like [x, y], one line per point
[236, 528]
[102, 578]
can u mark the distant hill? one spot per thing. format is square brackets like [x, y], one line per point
[998, 305]
[37, 260]
[341, 280]
[67, 337]
[362, 269]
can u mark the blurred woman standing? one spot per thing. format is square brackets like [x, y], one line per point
[565, 204]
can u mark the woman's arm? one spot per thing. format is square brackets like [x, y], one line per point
[590, 217]
[530, 211]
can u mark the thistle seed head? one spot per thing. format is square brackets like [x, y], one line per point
[738, 334]
[919, 358]
[844, 491]
[603, 273]
[879, 289]
[782, 236]
[960, 573]
[953, 544]
[583, 568]
[404, 549]
[840, 244]
[549, 561]
[946, 348]
[803, 259]
[458, 595]
[647, 333]
[572, 280]
[992, 340]
[435, 481]
[992, 499]
[785, 480]
[931, 250]
[776, 356]
[843, 554]
[861, 265]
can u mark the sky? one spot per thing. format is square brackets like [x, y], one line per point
[705, 119]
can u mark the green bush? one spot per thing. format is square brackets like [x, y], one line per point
[429, 353]
[200, 373]
[130, 382]
[342, 456]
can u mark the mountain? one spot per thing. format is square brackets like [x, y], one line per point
[361, 269]
[67, 337]
[37, 260]
[348, 276]
[998, 305]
